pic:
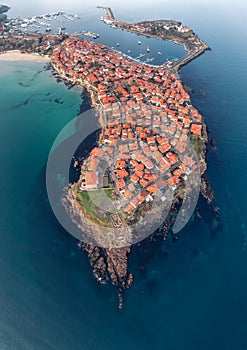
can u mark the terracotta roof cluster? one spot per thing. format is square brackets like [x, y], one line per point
[149, 114]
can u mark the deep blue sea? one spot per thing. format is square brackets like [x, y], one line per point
[191, 295]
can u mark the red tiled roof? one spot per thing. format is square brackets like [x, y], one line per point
[134, 178]
[91, 178]
[173, 181]
[153, 188]
[122, 173]
[196, 129]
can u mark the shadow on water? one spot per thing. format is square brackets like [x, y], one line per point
[81, 153]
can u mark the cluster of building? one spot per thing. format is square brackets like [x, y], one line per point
[150, 121]
[16, 39]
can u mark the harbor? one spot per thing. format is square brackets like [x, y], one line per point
[165, 30]
[148, 50]
[53, 22]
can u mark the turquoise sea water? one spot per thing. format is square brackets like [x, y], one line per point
[191, 295]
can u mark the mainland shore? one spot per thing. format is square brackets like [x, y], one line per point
[16, 55]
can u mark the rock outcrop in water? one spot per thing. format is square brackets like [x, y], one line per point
[110, 264]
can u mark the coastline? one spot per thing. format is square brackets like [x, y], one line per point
[112, 263]
[91, 91]
[16, 55]
[189, 292]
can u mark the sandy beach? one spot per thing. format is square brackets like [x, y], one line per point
[16, 55]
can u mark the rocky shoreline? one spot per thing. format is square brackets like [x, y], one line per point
[112, 264]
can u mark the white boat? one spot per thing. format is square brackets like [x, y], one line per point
[117, 44]
[139, 42]
[159, 53]
[148, 49]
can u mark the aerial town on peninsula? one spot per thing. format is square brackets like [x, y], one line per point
[144, 108]
[147, 123]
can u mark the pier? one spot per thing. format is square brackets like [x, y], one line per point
[108, 10]
[190, 57]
